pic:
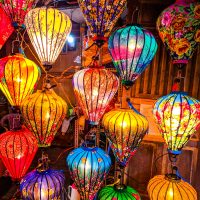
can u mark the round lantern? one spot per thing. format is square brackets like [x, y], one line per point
[88, 168]
[132, 49]
[17, 150]
[170, 187]
[118, 192]
[178, 117]
[179, 29]
[94, 89]
[43, 113]
[18, 78]
[125, 130]
[16, 10]
[44, 185]
[48, 29]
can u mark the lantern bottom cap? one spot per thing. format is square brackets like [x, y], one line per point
[43, 145]
[127, 83]
[93, 123]
[175, 152]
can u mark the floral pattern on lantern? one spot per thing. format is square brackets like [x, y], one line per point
[18, 78]
[118, 192]
[125, 130]
[94, 89]
[132, 49]
[48, 29]
[43, 113]
[43, 185]
[178, 117]
[88, 168]
[179, 29]
[167, 187]
[17, 150]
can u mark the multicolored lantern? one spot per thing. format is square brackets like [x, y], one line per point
[43, 113]
[94, 89]
[88, 168]
[170, 187]
[132, 49]
[17, 150]
[45, 185]
[16, 10]
[48, 29]
[178, 117]
[18, 78]
[179, 29]
[118, 192]
[125, 130]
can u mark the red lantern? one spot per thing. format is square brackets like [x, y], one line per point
[17, 150]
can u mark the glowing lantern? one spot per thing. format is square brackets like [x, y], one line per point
[17, 150]
[170, 187]
[132, 49]
[118, 192]
[125, 130]
[179, 29]
[44, 185]
[48, 29]
[43, 113]
[18, 78]
[178, 117]
[16, 9]
[94, 89]
[101, 16]
[88, 168]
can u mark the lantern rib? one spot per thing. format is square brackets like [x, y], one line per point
[13, 86]
[19, 66]
[119, 49]
[14, 156]
[27, 74]
[47, 37]
[127, 54]
[91, 114]
[84, 177]
[20, 139]
[188, 190]
[130, 130]
[152, 191]
[182, 198]
[27, 146]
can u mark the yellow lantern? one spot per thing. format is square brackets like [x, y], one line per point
[43, 113]
[170, 187]
[48, 29]
[18, 78]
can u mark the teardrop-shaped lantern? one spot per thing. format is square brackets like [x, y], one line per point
[179, 29]
[17, 150]
[44, 185]
[16, 10]
[43, 113]
[118, 192]
[132, 49]
[168, 187]
[88, 168]
[178, 117]
[48, 29]
[125, 130]
[94, 89]
[18, 78]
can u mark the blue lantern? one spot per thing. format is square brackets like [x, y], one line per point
[132, 49]
[88, 168]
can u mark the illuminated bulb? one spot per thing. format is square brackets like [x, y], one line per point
[176, 111]
[47, 115]
[70, 39]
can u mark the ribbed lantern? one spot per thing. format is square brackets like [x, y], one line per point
[43, 113]
[88, 168]
[118, 192]
[44, 185]
[132, 49]
[178, 117]
[179, 29]
[18, 78]
[125, 130]
[48, 29]
[168, 187]
[17, 150]
[94, 89]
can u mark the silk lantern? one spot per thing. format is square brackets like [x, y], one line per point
[179, 29]
[88, 168]
[17, 150]
[18, 78]
[43, 113]
[94, 89]
[48, 29]
[125, 130]
[178, 117]
[132, 49]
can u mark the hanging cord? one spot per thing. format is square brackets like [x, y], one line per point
[156, 160]
[133, 14]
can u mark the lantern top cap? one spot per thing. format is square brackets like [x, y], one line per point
[179, 92]
[85, 148]
[120, 187]
[172, 177]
